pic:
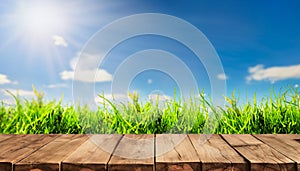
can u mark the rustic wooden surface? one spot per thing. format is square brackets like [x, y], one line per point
[89, 156]
[163, 152]
[131, 154]
[216, 154]
[261, 156]
[20, 147]
[287, 146]
[50, 155]
[182, 157]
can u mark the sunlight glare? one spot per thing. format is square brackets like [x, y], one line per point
[40, 18]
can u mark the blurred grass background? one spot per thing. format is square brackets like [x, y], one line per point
[277, 113]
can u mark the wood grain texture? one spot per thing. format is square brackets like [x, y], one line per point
[19, 147]
[260, 155]
[175, 152]
[93, 155]
[133, 153]
[171, 152]
[49, 157]
[4, 137]
[216, 154]
[5, 165]
[287, 146]
[288, 136]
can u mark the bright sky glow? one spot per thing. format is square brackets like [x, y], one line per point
[39, 18]
[33, 23]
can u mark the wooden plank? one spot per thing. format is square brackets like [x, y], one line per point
[19, 147]
[180, 153]
[216, 154]
[260, 155]
[5, 166]
[287, 146]
[48, 157]
[93, 155]
[134, 153]
[4, 137]
[289, 136]
[241, 139]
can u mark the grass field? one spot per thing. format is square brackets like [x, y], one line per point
[277, 113]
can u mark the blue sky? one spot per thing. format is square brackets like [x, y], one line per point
[40, 42]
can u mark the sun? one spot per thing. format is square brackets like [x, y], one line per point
[36, 26]
[47, 28]
[40, 17]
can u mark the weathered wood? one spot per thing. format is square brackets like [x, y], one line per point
[288, 136]
[175, 152]
[6, 165]
[93, 155]
[49, 157]
[260, 155]
[137, 152]
[14, 149]
[4, 137]
[133, 153]
[216, 154]
[287, 145]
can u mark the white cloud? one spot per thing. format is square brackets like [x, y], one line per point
[7, 98]
[87, 75]
[149, 81]
[222, 76]
[273, 74]
[85, 70]
[62, 85]
[117, 97]
[160, 97]
[87, 61]
[59, 41]
[67, 75]
[22, 93]
[4, 79]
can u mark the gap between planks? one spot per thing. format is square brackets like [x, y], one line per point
[289, 147]
[225, 152]
[134, 152]
[260, 155]
[98, 150]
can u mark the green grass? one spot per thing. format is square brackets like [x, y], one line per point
[277, 113]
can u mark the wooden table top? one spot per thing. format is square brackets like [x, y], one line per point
[159, 152]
